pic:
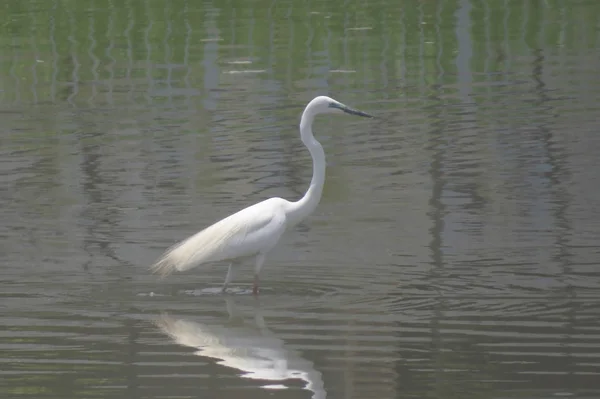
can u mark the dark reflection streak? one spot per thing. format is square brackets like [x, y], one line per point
[367, 70]
[563, 229]
[345, 30]
[402, 52]
[439, 43]
[251, 32]
[385, 60]
[290, 71]
[437, 209]
[328, 50]
[233, 24]
[273, 67]
[210, 58]
[149, 78]
[36, 53]
[506, 23]
[69, 72]
[186, 53]
[97, 214]
[488, 47]
[127, 34]
[562, 51]
[168, 52]
[12, 71]
[95, 60]
[55, 54]
[421, 55]
[108, 52]
[471, 186]
[309, 42]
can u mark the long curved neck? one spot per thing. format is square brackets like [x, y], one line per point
[306, 205]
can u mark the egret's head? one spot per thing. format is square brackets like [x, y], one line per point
[327, 105]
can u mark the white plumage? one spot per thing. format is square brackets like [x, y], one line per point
[236, 236]
[249, 347]
[255, 230]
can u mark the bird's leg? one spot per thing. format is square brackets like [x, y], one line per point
[260, 259]
[228, 278]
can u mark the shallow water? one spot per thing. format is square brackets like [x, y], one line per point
[454, 252]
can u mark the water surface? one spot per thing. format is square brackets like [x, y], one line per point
[454, 253]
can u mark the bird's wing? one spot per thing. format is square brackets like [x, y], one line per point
[249, 231]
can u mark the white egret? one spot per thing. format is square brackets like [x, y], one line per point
[255, 230]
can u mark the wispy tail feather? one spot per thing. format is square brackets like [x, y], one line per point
[181, 256]
[164, 266]
[208, 245]
[175, 258]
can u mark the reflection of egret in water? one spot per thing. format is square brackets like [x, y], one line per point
[252, 349]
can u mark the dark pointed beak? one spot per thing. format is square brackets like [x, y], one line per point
[356, 112]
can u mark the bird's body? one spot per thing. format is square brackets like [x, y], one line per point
[255, 230]
[245, 233]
